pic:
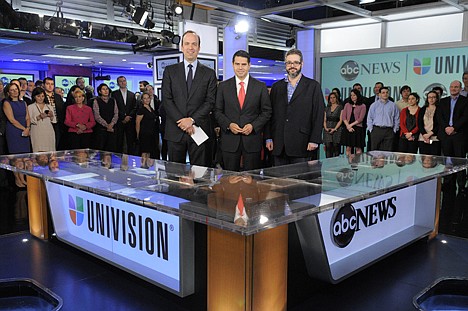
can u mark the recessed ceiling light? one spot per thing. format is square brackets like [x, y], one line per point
[100, 62]
[124, 60]
[66, 56]
[21, 60]
[105, 51]
[81, 64]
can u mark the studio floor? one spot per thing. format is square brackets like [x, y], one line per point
[85, 283]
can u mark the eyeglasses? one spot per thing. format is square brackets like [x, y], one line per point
[295, 63]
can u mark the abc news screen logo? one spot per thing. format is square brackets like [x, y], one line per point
[347, 220]
[350, 70]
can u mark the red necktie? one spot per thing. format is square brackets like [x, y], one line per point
[241, 95]
[240, 203]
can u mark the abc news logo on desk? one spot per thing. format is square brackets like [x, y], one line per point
[348, 220]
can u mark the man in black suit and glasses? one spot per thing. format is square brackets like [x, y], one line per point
[295, 130]
[188, 96]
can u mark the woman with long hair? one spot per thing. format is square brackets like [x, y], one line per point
[42, 116]
[332, 126]
[428, 126]
[18, 122]
[353, 136]
[409, 130]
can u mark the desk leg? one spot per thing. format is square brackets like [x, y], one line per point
[37, 208]
[437, 211]
[247, 272]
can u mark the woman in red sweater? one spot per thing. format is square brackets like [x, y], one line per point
[80, 121]
[409, 130]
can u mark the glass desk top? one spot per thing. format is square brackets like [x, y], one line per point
[246, 202]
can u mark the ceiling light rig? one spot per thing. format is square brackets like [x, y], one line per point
[57, 23]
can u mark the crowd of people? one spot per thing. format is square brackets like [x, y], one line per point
[435, 128]
[244, 122]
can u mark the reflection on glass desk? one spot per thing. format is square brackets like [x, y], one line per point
[270, 196]
[139, 213]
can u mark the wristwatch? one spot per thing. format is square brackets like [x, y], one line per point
[193, 121]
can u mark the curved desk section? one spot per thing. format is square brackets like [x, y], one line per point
[138, 213]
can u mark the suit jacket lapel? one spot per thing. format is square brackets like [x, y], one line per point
[232, 89]
[182, 78]
[299, 87]
[249, 92]
[199, 73]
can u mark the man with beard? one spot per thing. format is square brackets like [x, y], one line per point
[295, 129]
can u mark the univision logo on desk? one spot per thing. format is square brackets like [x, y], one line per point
[76, 210]
[348, 220]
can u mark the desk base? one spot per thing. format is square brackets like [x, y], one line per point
[247, 272]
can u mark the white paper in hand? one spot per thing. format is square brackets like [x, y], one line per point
[199, 135]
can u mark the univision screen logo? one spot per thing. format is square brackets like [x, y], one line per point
[65, 82]
[422, 67]
[349, 70]
[76, 210]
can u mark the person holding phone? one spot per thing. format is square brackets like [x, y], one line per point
[42, 116]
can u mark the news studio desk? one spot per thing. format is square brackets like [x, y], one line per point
[138, 214]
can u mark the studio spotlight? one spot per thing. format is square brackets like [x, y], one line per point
[170, 37]
[176, 39]
[139, 46]
[149, 65]
[86, 29]
[140, 16]
[146, 44]
[290, 42]
[177, 9]
[242, 26]
[68, 29]
[129, 37]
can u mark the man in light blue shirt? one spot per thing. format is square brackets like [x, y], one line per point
[383, 121]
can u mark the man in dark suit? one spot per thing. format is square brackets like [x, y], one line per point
[189, 93]
[126, 102]
[56, 102]
[453, 122]
[295, 130]
[242, 109]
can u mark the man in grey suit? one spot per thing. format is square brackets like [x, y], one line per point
[242, 109]
[295, 130]
[188, 96]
